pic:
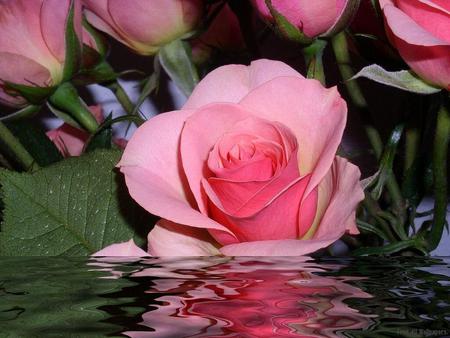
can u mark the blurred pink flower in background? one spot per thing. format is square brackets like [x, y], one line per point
[252, 167]
[71, 141]
[223, 34]
[144, 25]
[420, 30]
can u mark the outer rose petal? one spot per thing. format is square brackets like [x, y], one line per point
[426, 54]
[171, 239]
[339, 195]
[316, 116]
[122, 249]
[232, 82]
[154, 175]
[22, 70]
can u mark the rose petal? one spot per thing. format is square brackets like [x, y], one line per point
[195, 144]
[287, 247]
[430, 16]
[426, 54]
[312, 17]
[69, 140]
[231, 83]
[316, 116]
[122, 249]
[277, 218]
[53, 25]
[171, 239]
[345, 192]
[21, 70]
[154, 175]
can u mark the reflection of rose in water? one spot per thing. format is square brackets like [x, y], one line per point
[252, 298]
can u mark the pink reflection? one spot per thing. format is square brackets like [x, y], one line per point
[251, 298]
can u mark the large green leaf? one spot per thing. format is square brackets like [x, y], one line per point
[74, 207]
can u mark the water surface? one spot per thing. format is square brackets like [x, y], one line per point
[224, 297]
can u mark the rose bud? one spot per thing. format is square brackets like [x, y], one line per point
[313, 18]
[223, 34]
[247, 167]
[32, 44]
[144, 25]
[420, 30]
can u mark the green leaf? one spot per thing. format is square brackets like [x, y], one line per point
[388, 249]
[175, 58]
[404, 79]
[74, 207]
[287, 29]
[35, 141]
[73, 46]
[102, 72]
[371, 228]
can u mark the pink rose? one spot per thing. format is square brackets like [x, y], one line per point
[250, 299]
[223, 34]
[71, 141]
[144, 25]
[420, 30]
[247, 167]
[314, 18]
[32, 43]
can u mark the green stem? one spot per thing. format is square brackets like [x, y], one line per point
[374, 210]
[341, 52]
[13, 146]
[66, 98]
[412, 141]
[440, 157]
[313, 55]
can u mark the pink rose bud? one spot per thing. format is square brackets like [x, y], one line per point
[144, 25]
[224, 34]
[247, 167]
[32, 43]
[313, 18]
[420, 30]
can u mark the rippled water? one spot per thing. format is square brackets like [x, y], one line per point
[224, 297]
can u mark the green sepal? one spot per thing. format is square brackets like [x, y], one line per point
[66, 100]
[102, 138]
[23, 113]
[102, 72]
[151, 84]
[35, 95]
[101, 43]
[285, 28]
[414, 243]
[176, 60]
[73, 55]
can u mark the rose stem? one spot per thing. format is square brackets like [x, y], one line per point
[440, 153]
[12, 145]
[313, 55]
[340, 48]
[124, 100]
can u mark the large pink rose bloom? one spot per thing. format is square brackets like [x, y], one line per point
[32, 43]
[420, 30]
[144, 25]
[313, 18]
[247, 167]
